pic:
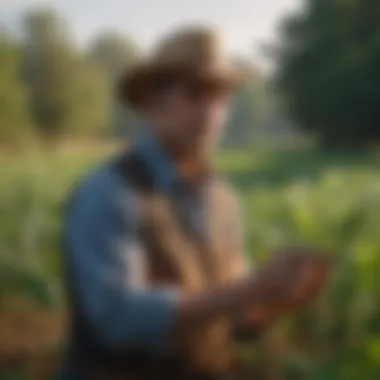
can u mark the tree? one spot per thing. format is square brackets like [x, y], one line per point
[91, 103]
[67, 91]
[241, 123]
[115, 53]
[247, 108]
[328, 70]
[14, 115]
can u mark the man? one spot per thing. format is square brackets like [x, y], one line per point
[157, 277]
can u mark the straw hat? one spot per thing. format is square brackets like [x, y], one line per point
[195, 52]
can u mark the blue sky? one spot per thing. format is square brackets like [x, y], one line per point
[245, 23]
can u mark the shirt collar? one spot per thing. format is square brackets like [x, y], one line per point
[159, 164]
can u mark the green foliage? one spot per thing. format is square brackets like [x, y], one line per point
[330, 201]
[14, 116]
[67, 93]
[329, 69]
[240, 126]
[115, 54]
[92, 103]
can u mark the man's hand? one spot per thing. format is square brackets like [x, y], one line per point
[289, 281]
[294, 275]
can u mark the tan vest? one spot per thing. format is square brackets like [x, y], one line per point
[177, 257]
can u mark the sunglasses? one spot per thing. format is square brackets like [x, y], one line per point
[192, 89]
[196, 90]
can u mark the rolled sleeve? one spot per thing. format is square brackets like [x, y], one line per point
[107, 267]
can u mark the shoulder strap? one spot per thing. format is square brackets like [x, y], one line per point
[131, 167]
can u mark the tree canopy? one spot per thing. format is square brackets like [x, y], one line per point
[329, 69]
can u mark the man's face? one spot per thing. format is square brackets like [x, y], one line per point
[190, 115]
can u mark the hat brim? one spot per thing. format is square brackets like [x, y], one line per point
[132, 86]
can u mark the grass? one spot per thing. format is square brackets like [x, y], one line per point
[328, 200]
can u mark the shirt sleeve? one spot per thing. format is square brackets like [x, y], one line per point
[107, 268]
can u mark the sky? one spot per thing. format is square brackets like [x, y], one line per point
[246, 24]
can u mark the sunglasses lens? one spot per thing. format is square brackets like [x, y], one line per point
[198, 90]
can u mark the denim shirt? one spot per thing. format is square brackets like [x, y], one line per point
[106, 260]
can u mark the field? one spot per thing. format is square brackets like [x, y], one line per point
[328, 200]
